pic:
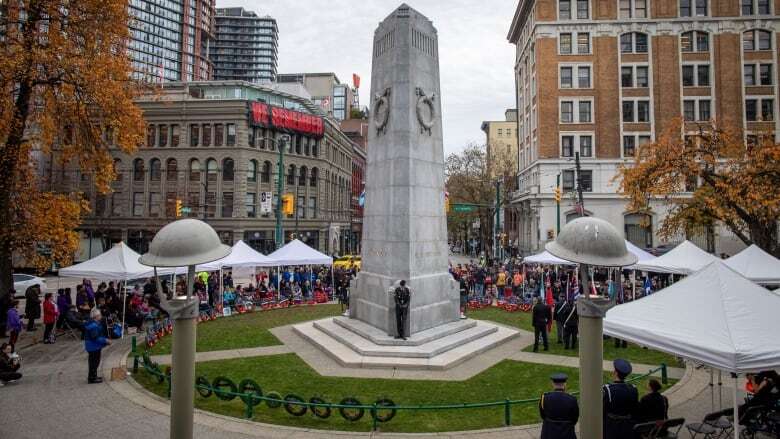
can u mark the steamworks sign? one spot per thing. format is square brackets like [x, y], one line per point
[289, 121]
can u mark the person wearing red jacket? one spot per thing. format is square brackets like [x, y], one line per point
[49, 318]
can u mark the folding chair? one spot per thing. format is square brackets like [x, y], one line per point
[669, 429]
[714, 425]
[69, 329]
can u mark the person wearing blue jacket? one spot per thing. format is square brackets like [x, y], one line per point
[94, 342]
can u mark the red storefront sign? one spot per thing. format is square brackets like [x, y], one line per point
[286, 120]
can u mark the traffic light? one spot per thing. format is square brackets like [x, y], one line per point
[178, 208]
[288, 204]
[447, 205]
[557, 192]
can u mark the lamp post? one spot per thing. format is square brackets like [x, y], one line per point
[280, 144]
[591, 241]
[186, 242]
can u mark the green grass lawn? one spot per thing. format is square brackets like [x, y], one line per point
[522, 320]
[249, 330]
[289, 374]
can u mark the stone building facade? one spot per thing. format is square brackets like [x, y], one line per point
[600, 78]
[205, 148]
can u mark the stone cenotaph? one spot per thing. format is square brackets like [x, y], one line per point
[404, 222]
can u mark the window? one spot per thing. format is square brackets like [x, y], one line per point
[564, 44]
[138, 203]
[634, 76]
[313, 177]
[227, 204]
[583, 77]
[643, 111]
[751, 109]
[171, 170]
[628, 111]
[704, 109]
[767, 109]
[175, 135]
[582, 10]
[766, 74]
[564, 9]
[627, 76]
[566, 78]
[642, 76]
[586, 180]
[697, 110]
[206, 135]
[636, 111]
[291, 175]
[231, 134]
[211, 204]
[138, 170]
[696, 75]
[633, 42]
[150, 136]
[300, 207]
[251, 172]
[633, 8]
[154, 204]
[163, 137]
[302, 176]
[753, 7]
[194, 170]
[586, 146]
[251, 208]
[629, 146]
[265, 175]
[194, 131]
[313, 207]
[747, 7]
[211, 170]
[567, 146]
[749, 74]
[228, 168]
[567, 110]
[757, 40]
[118, 169]
[500, 132]
[568, 180]
[583, 114]
[219, 134]
[583, 42]
[695, 41]
[690, 8]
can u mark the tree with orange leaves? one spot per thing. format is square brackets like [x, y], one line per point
[66, 86]
[714, 177]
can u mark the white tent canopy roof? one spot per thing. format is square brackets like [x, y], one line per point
[686, 258]
[756, 265]
[296, 252]
[118, 263]
[716, 317]
[546, 257]
[638, 252]
[242, 255]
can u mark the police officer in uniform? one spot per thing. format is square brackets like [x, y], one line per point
[620, 403]
[402, 298]
[559, 411]
[464, 295]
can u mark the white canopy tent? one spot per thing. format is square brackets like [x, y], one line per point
[638, 252]
[296, 252]
[685, 259]
[242, 255]
[715, 317]
[546, 257]
[756, 265]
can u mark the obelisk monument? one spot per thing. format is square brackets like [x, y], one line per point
[404, 223]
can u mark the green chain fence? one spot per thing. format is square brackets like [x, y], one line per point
[383, 410]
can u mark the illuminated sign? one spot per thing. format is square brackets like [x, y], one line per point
[286, 120]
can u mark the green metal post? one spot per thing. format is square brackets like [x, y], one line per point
[248, 412]
[664, 374]
[279, 238]
[557, 206]
[507, 413]
[135, 355]
[375, 415]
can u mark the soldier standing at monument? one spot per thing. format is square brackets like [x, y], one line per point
[402, 297]
[620, 403]
[559, 411]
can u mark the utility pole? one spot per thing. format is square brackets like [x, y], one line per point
[279, 188]
[578, 177]
[498, 217]
[558, 204]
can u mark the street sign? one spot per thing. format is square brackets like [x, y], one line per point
[265, 202]
[463, 208]
[186, 210]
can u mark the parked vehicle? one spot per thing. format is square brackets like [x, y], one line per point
[23, 282]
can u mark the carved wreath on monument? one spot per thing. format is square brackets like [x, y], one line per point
[423, 101]
[381, 110]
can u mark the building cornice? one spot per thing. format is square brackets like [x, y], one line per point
[521, 13]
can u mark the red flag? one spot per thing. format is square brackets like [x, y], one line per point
[548, 298]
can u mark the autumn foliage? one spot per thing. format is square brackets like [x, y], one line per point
[66, 86]
[713, 177]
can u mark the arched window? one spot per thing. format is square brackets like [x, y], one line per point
[118, 169]
[172, 170]
[265, 176]
[695, 41]
[313, 177]
[302, 174]
[138, 170]
[227, 169]
[633, 42]
[291, 175]
[756, 39]
[211, 170]
[194, 170]
[251, 172]
[155, 170]
[639, 229]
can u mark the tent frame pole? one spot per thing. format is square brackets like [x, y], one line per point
[736, 409]
[124, 306]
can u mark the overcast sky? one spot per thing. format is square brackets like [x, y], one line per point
[476, 60]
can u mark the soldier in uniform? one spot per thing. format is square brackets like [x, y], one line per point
[620, 403]
[559, 411]
[402, 298]
[464, 295]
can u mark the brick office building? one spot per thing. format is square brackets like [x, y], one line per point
[601, 77]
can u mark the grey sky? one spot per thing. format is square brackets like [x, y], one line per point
[475, 58]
